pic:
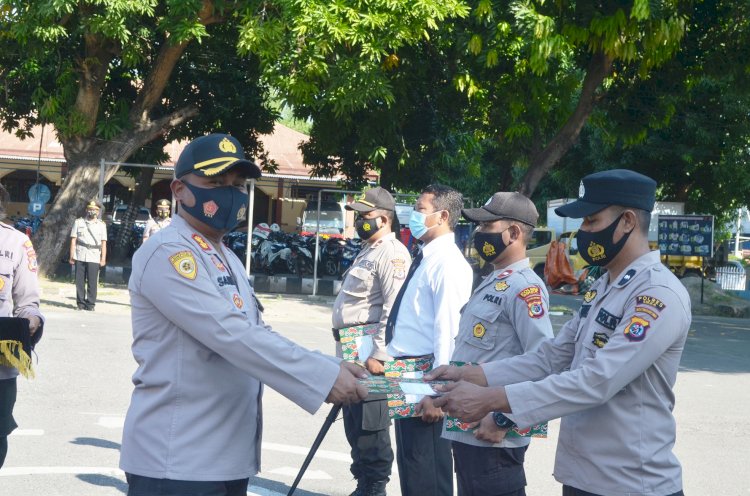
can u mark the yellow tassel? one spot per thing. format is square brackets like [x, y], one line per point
[13, 355]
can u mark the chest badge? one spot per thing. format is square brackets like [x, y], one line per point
[600, 339]
[218, 263]
[238, 301]
[184, 263]
[479, 331]
[589, 296]
[2, 283]
[501, 286]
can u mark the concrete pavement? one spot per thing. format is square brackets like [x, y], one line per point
[71, 416]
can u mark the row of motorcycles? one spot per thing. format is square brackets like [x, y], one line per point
[277, 252]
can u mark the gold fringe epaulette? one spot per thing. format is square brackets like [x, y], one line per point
[13, 355]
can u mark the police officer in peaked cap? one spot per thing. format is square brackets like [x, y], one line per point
[204, 353]
[610, 371]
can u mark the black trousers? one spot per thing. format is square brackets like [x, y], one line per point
[489, 471]
[572, 491]
[425, 465]
[367, 429]
[139, 485]
[8, 391]
[87, 281]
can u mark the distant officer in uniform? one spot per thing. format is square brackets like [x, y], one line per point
[88, 252]
[163, 210]
[367, 294]
[507, 315]
[203, 351]
[609, 372]
[19, 297]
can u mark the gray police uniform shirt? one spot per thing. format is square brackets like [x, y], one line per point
[507, 315]
[19, 286]
[609, 374]
[370, 287]
[89, 234]
[155, 225]
[204, 354]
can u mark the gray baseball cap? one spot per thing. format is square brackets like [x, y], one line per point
[504, 205]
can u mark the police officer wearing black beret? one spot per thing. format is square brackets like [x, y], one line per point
[610, 371]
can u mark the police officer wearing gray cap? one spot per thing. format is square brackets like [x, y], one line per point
[367, 294]
[203, 351]
[610, 371]
[507, 315]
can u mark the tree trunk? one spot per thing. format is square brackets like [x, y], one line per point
[599, 67]
[126, 236]
[82, 184]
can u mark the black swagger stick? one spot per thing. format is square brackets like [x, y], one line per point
[330, 419]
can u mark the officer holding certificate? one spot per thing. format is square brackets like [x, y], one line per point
[610, 371]
[204, 353]
[507, 315]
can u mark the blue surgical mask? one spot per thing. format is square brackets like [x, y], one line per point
[221, 208]
[416, 223]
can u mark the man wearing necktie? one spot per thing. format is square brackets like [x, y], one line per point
[423, 324]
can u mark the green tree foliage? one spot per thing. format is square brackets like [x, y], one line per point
[116, 77]
[491, 99]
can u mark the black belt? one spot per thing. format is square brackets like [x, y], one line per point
[86, 245]
[414, 357]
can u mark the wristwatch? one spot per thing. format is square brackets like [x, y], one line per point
[502, 421]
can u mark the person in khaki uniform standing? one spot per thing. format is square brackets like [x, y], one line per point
[204, 353]
[610, 371]
[88, 252]
[507, 315]
[19, 297]
[163, 210]
[367, 294]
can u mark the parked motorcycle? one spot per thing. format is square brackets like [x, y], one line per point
[275, 253]
[351, 249]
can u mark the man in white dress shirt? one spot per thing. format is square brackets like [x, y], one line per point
[424, 323]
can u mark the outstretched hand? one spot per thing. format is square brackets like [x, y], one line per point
[347, 389]
[469, 402]
[468, 373]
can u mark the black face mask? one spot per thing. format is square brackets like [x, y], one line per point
[366, 227]
[597, 247]
[489, 245]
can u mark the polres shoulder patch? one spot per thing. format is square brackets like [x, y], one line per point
[184, 263]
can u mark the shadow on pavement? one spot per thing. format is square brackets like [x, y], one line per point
[52, 303]
[104, 481]
[93, 441]
[279, 487]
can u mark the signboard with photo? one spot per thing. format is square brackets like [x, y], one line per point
[686, 235]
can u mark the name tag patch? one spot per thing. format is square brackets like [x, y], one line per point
[492, 298]
[607, 320]
[600, 339]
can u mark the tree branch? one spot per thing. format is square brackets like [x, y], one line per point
[599, 68]
[160, 74]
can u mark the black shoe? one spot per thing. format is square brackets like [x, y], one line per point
[361, 485]
[90, 309]
[375, 488]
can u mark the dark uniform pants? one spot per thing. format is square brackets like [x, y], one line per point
[139, 485]
[572, 491]
[7, 423]
[367, 429]
[425, 465]
[489, 471]
[86, 273]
